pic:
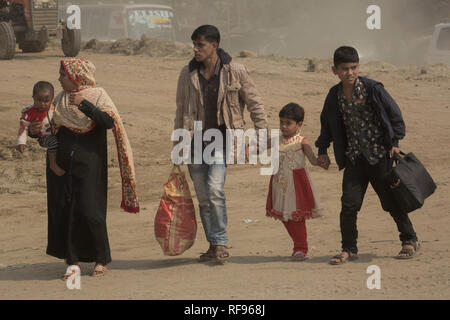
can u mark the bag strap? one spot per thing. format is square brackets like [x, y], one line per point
[394, 159]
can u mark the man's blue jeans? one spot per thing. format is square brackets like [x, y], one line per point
[209, 180]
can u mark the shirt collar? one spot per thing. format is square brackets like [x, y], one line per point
[357, 88]
[216, 68]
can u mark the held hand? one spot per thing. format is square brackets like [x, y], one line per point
[35, 127]
[323, 165]
[394, 149]
[323, 161]
[75, 99]
[247, 154]
[269, 143]
[21, 148]
[253, 150]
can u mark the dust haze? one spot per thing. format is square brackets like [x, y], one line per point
[141, 76]
[313, 28]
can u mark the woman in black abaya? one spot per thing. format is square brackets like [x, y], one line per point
[77, 201]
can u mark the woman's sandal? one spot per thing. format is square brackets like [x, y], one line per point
[299, 256]
[99, 270]
[341, 259]
[408, 253]
[221, 254]
[208, 255]
[71, 270]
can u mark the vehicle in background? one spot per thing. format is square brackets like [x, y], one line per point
[31, 24]
[439, 47]
[119, 21]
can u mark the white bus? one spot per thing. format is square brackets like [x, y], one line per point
[439, 47]
[119, 21]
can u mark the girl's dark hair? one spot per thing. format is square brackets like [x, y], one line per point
[292, 111]
[211, 33]
[345, 54]
[43, 86]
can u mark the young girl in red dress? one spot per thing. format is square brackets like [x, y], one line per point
[292, 198]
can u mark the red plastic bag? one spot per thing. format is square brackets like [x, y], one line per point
[175, 222]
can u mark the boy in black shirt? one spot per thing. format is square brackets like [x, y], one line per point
[365, 124]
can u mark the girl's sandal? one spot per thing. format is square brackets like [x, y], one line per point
[341, 259]
[99, 270]
[299, 256]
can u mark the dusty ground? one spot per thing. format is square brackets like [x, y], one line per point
[143, 88]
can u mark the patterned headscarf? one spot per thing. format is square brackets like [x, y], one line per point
[82, 72]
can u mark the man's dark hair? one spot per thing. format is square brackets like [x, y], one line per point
[345, 54]
[292, 111]
[43, 86]
[211, 33]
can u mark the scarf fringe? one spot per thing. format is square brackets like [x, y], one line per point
[128, 208]
[129, 198]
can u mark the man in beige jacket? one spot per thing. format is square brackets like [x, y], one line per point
[213, 90]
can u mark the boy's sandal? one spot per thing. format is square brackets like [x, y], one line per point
[99, 270]
[208, 255]
[408, 253]
[299, 256]
[341, 259]
[221, 254]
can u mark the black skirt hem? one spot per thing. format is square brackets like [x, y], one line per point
[80, 259]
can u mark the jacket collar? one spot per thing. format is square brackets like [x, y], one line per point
[223, 56]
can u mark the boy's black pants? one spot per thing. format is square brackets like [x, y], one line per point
[354, 185]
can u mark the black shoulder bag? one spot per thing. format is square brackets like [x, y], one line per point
[409, 181]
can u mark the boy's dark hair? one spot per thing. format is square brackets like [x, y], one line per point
[43, 86]
[345, 54]
[210, 32]
[292, 111]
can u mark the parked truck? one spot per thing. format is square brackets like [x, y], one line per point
[31, 24]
